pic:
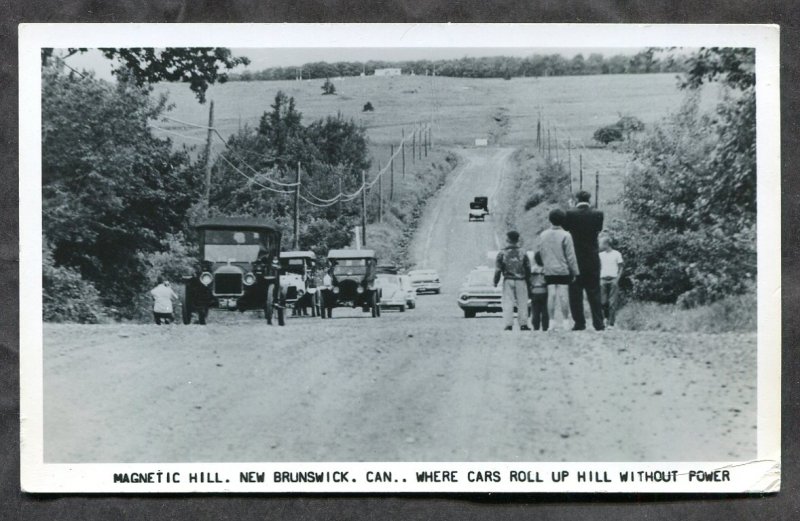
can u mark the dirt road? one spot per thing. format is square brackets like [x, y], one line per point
[423, 385]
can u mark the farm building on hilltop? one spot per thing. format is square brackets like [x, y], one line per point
[388, 72]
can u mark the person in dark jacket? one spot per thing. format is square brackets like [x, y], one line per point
[584, 224]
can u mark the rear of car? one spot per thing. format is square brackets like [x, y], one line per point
[411, 293]
[393, 296]
[425, 281]
[479, 294]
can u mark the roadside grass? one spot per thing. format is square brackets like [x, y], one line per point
[735, 314]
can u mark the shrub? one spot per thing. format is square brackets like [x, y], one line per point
[534, 201]
[368, 107]
[608, 134]
[328, 87]
[66, 296]
[553, 182]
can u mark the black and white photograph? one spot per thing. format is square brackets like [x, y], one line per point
[357, 258]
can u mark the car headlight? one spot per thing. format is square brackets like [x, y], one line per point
[249, 279]
[336, 290]
[206, 278]
[300, 292]
[359, 290]
[464, 296]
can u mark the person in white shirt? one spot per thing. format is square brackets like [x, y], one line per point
[163, 295]
[610, 272]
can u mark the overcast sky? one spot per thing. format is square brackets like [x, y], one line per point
[264, 58]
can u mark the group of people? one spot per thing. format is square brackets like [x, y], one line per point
[573, 259]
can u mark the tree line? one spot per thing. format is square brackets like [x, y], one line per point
[647, 61]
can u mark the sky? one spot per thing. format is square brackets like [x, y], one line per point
[265, 58]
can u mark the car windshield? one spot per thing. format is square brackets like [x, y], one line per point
[346, 267]
[297, 266]
[480, 278]
[235, 246]
[423, 275]
[387, 281]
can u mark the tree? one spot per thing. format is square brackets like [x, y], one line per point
[110, 189]
[608, 134]
[197, 66]
[328, 87]
[368, 107]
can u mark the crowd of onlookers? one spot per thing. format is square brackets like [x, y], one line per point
[573, 258]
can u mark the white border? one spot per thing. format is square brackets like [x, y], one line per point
[760, 475]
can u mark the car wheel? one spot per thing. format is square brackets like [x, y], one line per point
[402, 309]
[469, 313]
[269, 305]
[373, 304]
[186, 307]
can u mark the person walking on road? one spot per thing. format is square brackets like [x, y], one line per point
[560, 267]
[163, 295]
[610, 273]
[584, 224]
[514, 266]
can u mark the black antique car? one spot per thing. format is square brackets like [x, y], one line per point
[238, 269]
[352, 282]
[478, 208]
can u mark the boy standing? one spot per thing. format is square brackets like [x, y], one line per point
[539, 294]
[162, 302]
[515, 267]
[560, 265]
[610, 271]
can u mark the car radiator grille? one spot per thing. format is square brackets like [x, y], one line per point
[228, 284]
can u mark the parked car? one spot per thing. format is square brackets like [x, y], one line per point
[478, 294]
[238, 270]
[298, 282]
[425, 281]
[392, 293]
[411, 293]
[352, 282]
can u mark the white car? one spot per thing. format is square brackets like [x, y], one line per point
[425, 281]
[393, 295]
[411, 293]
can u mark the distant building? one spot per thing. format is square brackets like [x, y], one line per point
[388, 72]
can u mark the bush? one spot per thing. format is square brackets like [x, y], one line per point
[328, 87]
[619, 131]
[534, 200]
[608, 134]
[66, 296]
[553, 182]
[368, 107]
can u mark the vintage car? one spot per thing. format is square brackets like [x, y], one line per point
[478, 294]
[411, 293]
[238, 269]
[298, 281]
[425, 281]
[352, 282]
[479, 209]
[393, 296]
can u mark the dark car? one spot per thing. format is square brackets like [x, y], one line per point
[352, 282]
[238, 269]
[479, 208]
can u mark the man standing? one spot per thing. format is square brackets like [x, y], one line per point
[515, 267]
[584, 224]
[162, 302]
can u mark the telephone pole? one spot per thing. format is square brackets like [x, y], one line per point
[414, 146]
[580, 181]
[596, 188]
[208, 155]
[391, 175]
[403, 150]
[363, 208]
[297, 209]
[569, 162]
[380, 194]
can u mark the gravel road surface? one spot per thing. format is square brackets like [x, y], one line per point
[424, 385]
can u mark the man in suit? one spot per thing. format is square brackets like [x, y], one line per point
[584, 224]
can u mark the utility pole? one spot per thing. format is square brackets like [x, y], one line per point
[391, 175]
[339, 197]
[548, 144]
[596, 189]
[427, 133]
[380, 194]
[539, 135]
[403, 150]
[414, 146]
[580, 182]
[420, 143]
[569, 162]
[363, 208]
[297, 209]
[208, 154]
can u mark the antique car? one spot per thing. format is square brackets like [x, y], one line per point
[352, 282]
[425, 281]
[393, 295]
[411, 293]
[479, 209]
[238, 269]
[298, 281]
[478, 294]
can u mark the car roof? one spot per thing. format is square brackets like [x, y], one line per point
[351, 254]
[302, 254]
[236, 223]
[424, 270]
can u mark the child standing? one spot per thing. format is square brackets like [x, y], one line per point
[539, 294]
[560, 266]
[610, 272]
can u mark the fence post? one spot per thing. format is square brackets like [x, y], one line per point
[380, 194]
[580, 181]
[414, 146]
[363, 208]
[391, 175]
[596, 189]
[403, 150]
[297, 209]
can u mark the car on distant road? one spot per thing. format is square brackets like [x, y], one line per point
[425, 281]
[352, 282]
[393, 296]
[238, 269]
[411, 293]
[478, 294]
[478, 208]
